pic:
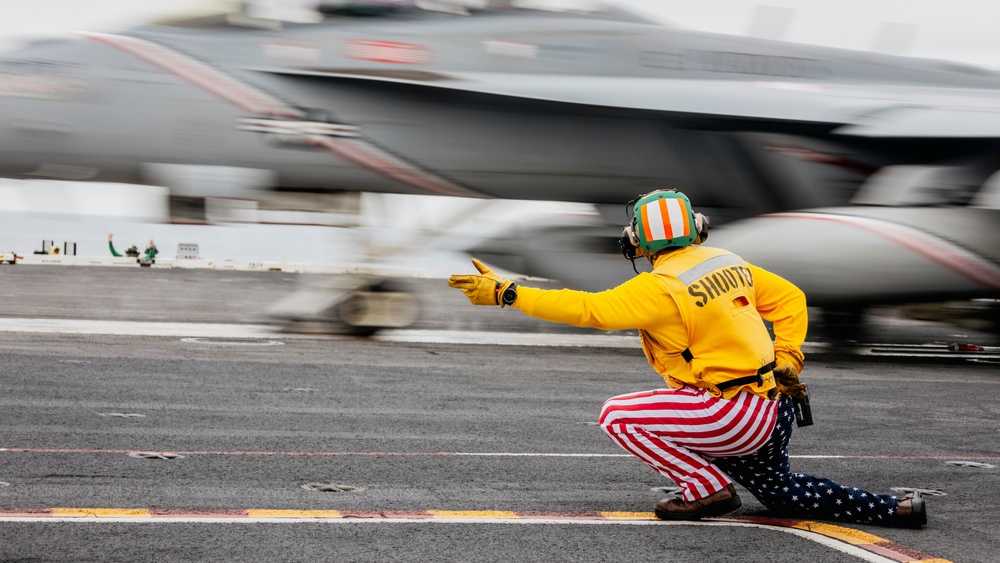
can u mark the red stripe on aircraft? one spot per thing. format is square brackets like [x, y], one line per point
[200, 75]
[374, 158]
[258, 102]
[391, 52]
[951, 256]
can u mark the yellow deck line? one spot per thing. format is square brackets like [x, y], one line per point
[849, 536]
[101, 512]
[629, 515]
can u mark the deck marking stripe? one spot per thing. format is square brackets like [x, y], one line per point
[220, 330]
[14, 449]
[408, 336]
[135, 328]
[476, 514]
[843, 534]
[628, 515]
[301, 514]
[100, 512]
[846, 540]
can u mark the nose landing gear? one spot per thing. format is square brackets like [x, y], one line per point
[348, 304]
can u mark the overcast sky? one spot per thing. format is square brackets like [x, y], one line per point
[963, 30]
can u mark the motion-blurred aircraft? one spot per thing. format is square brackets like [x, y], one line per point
[498, 99]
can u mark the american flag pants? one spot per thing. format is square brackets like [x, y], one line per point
[678, 432]
[767, 474]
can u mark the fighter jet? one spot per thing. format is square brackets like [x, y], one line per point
[501, 99]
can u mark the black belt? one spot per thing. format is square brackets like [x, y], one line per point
[757, 378]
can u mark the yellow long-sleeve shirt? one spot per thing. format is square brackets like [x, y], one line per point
[674, 315]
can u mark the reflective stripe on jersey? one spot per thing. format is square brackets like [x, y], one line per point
[727, 339]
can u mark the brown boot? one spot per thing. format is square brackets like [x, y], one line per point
[911, 512]
[715, 504]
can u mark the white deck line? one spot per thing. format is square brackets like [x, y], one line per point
[274, 336]
[840, 546]
[134, 328]
[258, 331]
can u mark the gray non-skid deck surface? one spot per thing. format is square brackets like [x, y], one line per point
[900, 420]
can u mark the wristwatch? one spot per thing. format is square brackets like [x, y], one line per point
[509, 295]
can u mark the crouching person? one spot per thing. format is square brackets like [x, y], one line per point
[700, 314]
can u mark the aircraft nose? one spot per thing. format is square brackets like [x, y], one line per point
[40, 94]
[29, 138]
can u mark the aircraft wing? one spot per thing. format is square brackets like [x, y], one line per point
[929, 122]
[847, 110]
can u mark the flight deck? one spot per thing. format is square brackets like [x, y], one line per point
[157, 413]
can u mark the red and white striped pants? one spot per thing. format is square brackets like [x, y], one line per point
[679, 431]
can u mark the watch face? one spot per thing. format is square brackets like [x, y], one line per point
[509, 296]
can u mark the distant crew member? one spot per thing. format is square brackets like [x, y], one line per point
[132, 251]
[723, 416]
[151, 250]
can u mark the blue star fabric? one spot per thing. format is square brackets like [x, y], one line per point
[767, 474]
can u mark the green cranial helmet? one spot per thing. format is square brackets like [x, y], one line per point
[663, 219]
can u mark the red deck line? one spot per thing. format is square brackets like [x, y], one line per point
[430, 454]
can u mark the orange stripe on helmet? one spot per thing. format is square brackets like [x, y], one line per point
[645, 223]
[684, 214]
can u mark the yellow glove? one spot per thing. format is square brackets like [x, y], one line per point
[484, 288]
[788, 382]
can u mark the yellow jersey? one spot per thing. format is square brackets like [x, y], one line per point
[700, 315]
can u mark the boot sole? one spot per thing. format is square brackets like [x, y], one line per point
[918, 514]
[714, 509]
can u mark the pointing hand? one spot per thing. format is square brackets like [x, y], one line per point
[484, 288]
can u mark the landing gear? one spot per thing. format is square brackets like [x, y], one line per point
[348, 304]
[364, 302]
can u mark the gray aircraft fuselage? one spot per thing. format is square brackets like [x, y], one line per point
[105, 107]
[519, 104]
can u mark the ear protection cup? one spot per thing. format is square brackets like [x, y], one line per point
[629, 242]
[633, 238]
[702, 223]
